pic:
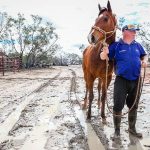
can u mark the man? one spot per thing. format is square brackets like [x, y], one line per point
[128, 57]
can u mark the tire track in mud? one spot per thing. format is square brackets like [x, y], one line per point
[20, 99]
[67, 133]
[92, 140]
[79, 139]
[11, 123]
[12, 101]
[46, 84]
[33, 105]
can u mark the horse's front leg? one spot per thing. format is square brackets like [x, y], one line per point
[103, 97]
[99, 90]
[91, 96]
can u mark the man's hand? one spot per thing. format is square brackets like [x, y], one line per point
[144, 63]
[104, 53]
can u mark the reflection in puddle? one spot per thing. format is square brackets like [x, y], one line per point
[93, 140]
[146, 143]
[81, 116]
[52, 126]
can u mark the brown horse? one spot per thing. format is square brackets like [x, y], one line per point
[103, 31]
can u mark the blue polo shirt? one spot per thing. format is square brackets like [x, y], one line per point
[127, 58]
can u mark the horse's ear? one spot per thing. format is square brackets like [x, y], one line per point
[109, 6]
[99, 7]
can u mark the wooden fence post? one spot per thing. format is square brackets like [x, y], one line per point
[3, 65]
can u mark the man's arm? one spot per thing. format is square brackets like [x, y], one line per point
[108, 52]
[144, 60]
[143, 56]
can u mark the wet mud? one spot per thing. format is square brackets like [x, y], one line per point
[41, 109]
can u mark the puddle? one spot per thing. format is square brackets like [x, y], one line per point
[52, 126]
[12, 119]
[92, 139]
[146, 143]
[82, 118]
[58, 123]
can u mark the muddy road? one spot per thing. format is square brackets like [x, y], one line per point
[41, 109]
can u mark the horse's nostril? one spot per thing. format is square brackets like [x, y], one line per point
[92, 39]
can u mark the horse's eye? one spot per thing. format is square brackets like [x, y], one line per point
[105, 18]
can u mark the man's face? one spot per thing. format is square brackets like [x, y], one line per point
[129, 34]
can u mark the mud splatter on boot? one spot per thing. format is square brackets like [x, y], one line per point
[117, 121]
[132, 116]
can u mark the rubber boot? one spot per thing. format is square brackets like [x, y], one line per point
[132, 116]
[117, 121]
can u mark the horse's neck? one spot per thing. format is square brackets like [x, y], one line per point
[98, 48]
[111, 39]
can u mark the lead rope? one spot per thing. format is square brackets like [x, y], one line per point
[138, 92]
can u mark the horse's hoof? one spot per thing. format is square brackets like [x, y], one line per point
[104, 121]
[88, 119]
[83, 106]
[88, 116]
[99, 105]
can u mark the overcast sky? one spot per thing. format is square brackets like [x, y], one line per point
[73, 18]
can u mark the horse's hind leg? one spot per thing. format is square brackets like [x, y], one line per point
[99, 90]
[84, 106]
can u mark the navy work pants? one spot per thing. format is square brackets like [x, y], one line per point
[124, 93]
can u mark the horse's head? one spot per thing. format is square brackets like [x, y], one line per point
[104, 27]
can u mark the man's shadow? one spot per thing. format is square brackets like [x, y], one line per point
[134, 143]
[116, 142]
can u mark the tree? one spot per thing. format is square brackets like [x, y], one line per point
[74, 59]
[40, 39]
[30, 39]
[144, 35]
[3, 31]
[121, 22]
[16, 34]
[81, 48]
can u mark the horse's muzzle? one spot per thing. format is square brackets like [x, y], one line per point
[92, 39]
